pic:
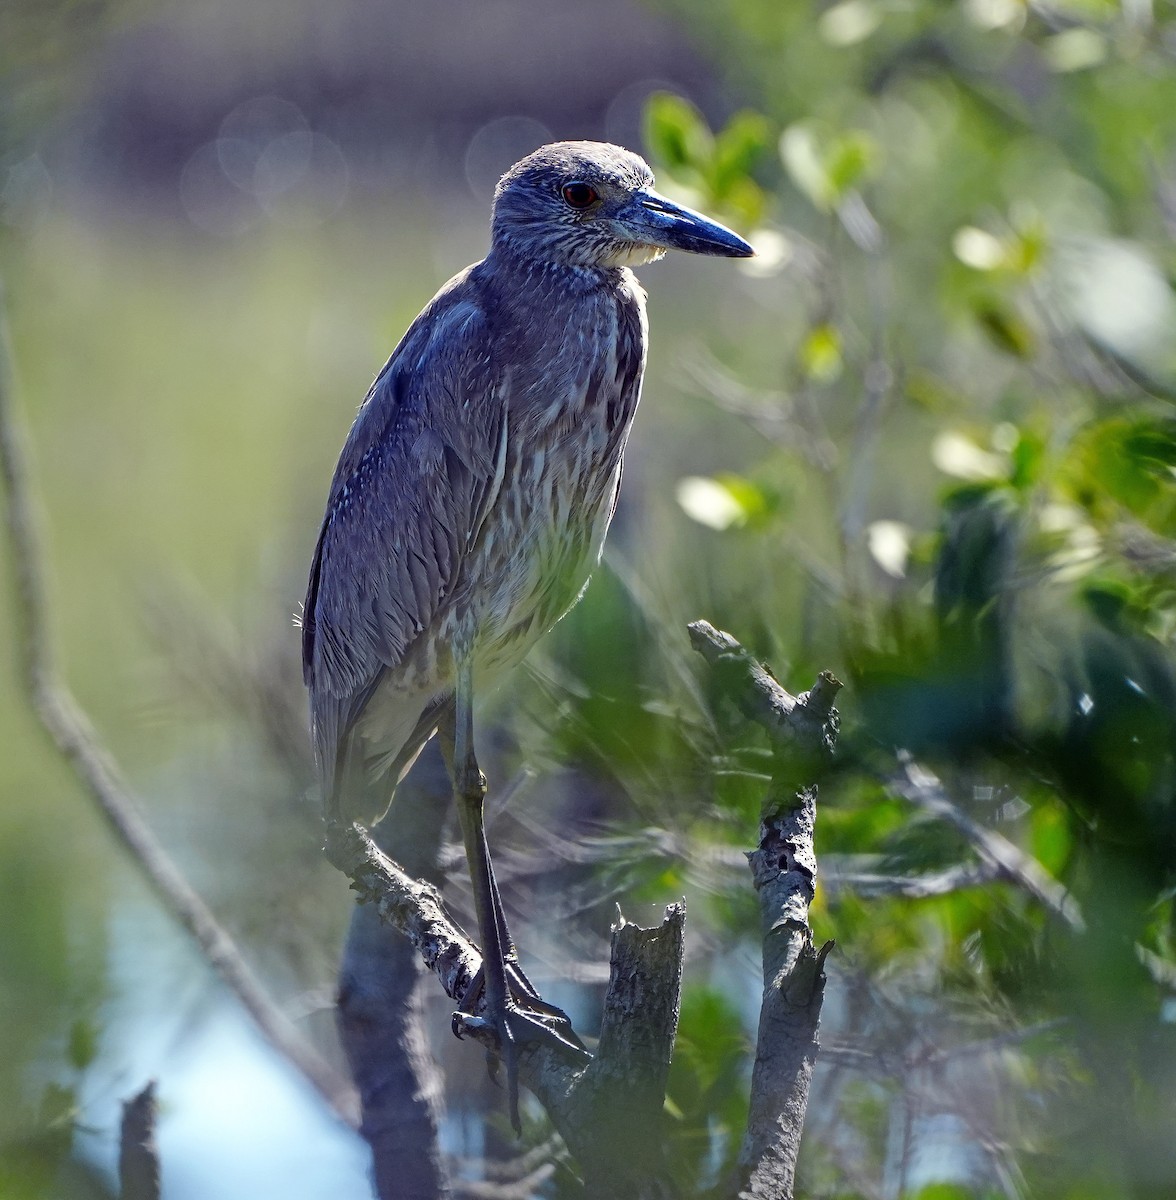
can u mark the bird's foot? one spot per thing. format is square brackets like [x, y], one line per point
[516, 1028]
[525, 1019]
[525, 997]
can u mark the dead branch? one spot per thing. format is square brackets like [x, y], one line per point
[608, 1111]
[138, 1155]
[802, 731]
[379, 1015]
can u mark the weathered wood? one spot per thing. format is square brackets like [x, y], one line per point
[138, 1155]
[802, 731]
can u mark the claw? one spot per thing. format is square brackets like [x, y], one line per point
[516, 1027]
[524, 997]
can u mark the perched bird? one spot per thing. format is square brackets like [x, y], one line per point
[472, 497]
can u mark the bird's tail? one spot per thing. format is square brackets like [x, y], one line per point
[367, 772]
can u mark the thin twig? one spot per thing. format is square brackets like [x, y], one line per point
[72, 734]
[919, 786]
[956, 878]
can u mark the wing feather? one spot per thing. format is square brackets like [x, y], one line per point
[414, 481]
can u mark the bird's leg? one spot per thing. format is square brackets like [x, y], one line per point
[520, 987]
[514, 1025]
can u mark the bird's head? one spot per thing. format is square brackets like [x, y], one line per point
[590, 204]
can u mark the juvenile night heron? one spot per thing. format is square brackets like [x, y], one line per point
[472, 497]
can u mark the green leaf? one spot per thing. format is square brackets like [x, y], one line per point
[1131, 462]
[821, 354]
[737, 149]
[1027, 457]
[82, 1048]
[1004, 328]
[677, 134]
[851, 158]
[827, 169]
[1051, 839]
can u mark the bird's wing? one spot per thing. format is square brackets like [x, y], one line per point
[417, 475]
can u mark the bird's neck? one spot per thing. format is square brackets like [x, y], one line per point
[529, 270]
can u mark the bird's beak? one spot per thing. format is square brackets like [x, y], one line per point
[652, 220]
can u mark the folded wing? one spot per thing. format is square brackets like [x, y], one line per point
[416, 477]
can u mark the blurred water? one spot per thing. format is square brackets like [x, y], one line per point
[236, 1121]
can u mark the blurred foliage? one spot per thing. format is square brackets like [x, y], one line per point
[970, 211]
[925, 440]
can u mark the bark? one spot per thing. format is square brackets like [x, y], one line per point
[613, 1118]
[608, 1110]
[138, 1155]
[784, 870]
[802, 731]
[380, 1014]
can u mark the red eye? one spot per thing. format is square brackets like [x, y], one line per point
[579, 195]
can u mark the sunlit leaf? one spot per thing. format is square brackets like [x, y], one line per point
[996, 14]
[725, 501]
[979, 249]
[802, 158]
[821, 354]
[1074, 50]
[1116, 292]
[850, 22]
[889, 543]
[957, 454]
[773, 252]
[709, 502]
[676, 133]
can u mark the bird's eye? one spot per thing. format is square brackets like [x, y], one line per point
[579, 195]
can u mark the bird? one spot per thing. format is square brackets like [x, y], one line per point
[471, 500]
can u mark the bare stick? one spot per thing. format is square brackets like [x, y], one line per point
[614, 1122]
[138, 1155]
[75, 739]
[380, 1015]
[802, 731]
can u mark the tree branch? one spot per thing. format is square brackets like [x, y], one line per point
[379, 1012]
[784, 870]
[802, 731]
[608, 1111]
[74, 738]
[138, 1155]
[1009, 862]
